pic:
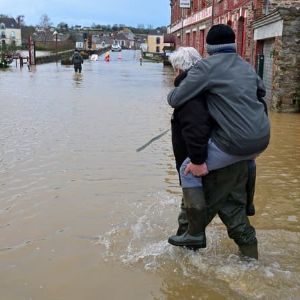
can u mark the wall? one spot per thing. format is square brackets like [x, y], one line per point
[286, 74]
[273, 4]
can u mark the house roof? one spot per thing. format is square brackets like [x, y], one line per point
[48, 36]
[9, 23]
[106, 39]
[79, 37]
[125, 36]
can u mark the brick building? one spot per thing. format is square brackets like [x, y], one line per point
[267, 36]
[190, 26]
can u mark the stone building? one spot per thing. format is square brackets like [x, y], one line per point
[267, 36]
[277, 46]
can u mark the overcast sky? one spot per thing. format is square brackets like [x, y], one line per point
[86, 12]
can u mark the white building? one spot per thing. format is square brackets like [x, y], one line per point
[10, 32]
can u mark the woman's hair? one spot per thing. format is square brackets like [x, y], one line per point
[184, 58]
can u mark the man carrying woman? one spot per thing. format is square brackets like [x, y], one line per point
[219, 121]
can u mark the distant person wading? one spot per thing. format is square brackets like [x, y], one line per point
[77, 61]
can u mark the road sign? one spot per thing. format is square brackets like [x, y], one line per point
[185, 4]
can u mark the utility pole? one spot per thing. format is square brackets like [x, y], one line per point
[212, 12]
[55, 33]
[181, 34]
[183, 4]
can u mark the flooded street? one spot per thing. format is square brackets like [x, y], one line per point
[84, 216]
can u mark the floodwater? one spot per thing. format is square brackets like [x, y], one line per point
[84, 216]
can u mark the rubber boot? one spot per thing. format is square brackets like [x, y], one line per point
[182, 220]
[249, 250]
[194, 238]
[250, 187]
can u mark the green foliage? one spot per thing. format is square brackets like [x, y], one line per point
[62, 27]
[3, 63]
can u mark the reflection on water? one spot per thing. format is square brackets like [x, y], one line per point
[82, 213]
[77, 77]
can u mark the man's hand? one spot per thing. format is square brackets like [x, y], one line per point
[196, 170]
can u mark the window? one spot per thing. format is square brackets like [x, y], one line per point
[179, 40]
[3, 35]
[201, 42]
[158, 40]
[194, 39]
[2, 26]
[240, 37]
[188, 40]
[196, 5]
[157, 49]
[13, 35]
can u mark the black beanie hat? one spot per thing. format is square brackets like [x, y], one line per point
[220, 34]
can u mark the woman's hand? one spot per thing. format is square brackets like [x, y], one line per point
[177, 72]
[196, 170]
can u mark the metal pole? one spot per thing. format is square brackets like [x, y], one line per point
[56, 46]
[29, 50]
[181, 34]
[212, 12]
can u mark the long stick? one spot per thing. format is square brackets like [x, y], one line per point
[152, 140]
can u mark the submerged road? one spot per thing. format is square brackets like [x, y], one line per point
[85, 216]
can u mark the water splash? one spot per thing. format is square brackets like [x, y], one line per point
[142, 243]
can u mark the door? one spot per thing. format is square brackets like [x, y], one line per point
[268, 49]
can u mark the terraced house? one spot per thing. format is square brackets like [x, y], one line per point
[267, 36]
[10, 32]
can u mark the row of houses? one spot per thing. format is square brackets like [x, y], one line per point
[95, 40]
[153, 42]
[89, 39]
[267, 36]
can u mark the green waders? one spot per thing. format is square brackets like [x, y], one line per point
[195, 207]
[250, 208]
[182, 220]
[225, 195]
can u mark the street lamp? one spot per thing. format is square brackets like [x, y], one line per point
[55, 33]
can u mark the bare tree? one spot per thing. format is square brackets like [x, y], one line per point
[45, 22]
[45, 25]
